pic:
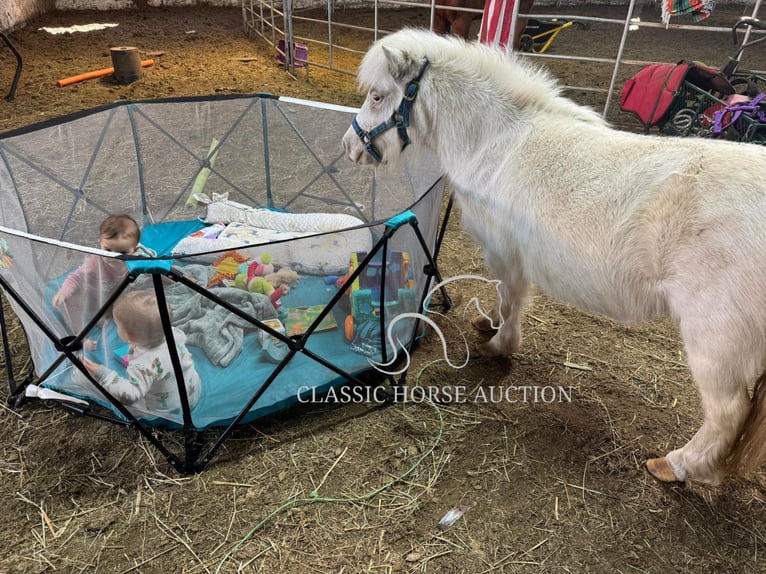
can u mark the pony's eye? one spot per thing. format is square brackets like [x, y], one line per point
[376, 98]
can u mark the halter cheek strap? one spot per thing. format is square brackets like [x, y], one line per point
[400, 119]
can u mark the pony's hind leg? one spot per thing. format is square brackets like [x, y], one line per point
[722, 370]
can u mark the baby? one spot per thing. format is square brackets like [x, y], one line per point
[149, 387]
[86, 289]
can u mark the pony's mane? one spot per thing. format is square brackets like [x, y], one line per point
[526, 82]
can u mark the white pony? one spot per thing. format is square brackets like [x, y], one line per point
[627, 225]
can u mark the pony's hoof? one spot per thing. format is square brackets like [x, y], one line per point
[483, 324]
[487, 350]
[660, 469]
[490, 350]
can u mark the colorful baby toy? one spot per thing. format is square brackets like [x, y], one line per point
[259, 276]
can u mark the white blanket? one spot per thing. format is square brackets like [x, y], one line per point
[305, 242]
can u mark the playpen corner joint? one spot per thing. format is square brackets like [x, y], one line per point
[402, 219]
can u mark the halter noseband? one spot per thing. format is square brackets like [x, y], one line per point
[400, 119]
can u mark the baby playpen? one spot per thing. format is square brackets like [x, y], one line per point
[277, 264]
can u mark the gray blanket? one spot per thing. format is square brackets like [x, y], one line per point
[218, 332]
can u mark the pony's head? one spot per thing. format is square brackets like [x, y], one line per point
[390, 73]
[451, 96]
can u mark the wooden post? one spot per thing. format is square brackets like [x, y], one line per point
[127, 64]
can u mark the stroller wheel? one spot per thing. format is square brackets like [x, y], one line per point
[525, 43]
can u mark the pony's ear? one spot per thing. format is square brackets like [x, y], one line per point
[402, 66]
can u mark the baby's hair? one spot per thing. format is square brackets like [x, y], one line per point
[116, 226]
[138, 314]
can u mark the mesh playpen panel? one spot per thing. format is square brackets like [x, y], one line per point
[277, 260]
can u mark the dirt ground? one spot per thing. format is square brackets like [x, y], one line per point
[546, 486]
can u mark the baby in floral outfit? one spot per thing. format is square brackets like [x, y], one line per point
[149, 387]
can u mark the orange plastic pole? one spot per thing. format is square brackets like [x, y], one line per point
[95, 74]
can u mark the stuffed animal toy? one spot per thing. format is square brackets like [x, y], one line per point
[274, 285]
[259, 277]
[226, 267]
[259, 267]
[260, 285]
[283, 277]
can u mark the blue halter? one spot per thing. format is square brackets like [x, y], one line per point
[400, 119]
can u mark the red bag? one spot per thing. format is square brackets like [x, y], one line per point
[650, 92]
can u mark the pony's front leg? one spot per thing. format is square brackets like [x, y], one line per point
[508, 313]
[489, 323]
[722, 385]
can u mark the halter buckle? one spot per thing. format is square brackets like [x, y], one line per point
[412, 91]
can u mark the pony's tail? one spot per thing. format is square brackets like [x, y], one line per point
[749, 452]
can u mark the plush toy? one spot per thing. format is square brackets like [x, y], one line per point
[226, 267]
[251, 269]
[259, 277]
[260, 285]
[276, 296]
[284, 277]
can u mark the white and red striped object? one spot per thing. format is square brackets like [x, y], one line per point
[496, 22]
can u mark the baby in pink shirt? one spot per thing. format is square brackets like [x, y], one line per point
[86, 289]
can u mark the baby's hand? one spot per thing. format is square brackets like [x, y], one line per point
[93, 368]
[57, 301]
[89, 345]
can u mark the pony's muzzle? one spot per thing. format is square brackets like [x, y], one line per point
[355, 149]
